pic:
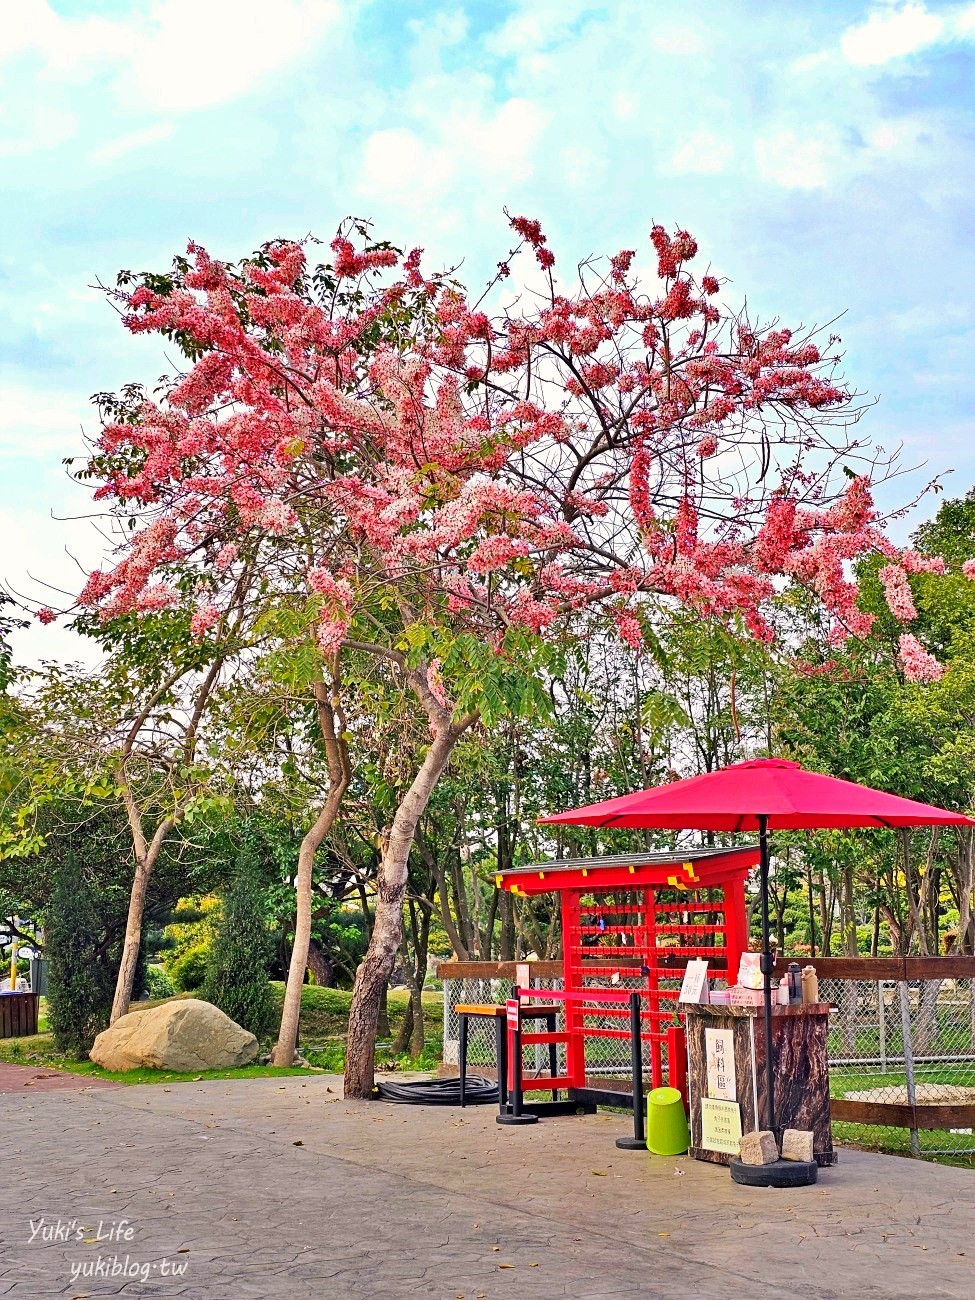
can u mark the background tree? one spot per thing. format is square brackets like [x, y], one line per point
[80, 974]
[237, 967]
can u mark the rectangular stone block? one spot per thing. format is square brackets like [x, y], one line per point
[797, 1144]
[758, 1148]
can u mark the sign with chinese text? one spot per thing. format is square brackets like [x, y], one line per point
[512, 1006]
[720, 1048]
[720, 1126]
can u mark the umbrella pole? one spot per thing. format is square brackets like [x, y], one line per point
[767, 966]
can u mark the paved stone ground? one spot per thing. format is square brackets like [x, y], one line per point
[267, 1188]
[14, 1078]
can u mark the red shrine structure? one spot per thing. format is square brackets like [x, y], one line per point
[632, 922]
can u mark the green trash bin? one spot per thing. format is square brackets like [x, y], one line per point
[667, 1131]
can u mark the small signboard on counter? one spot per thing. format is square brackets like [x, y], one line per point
[695, 984]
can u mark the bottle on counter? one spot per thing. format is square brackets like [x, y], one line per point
[782, 993]
[795, 983]
[810, 985]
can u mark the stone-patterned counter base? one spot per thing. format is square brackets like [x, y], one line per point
[799, 1060]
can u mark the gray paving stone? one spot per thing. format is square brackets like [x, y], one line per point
[388, 1201]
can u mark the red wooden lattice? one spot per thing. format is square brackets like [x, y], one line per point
[634, 923]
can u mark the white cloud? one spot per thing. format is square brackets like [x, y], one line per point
[45, 561]
[702, 152]
[679, 40]
[66, 45]
[132, 140]
[798, 160]
[537, 25]
[468, 142]
[34, 423]
[398, 160]
[179, 56]
[195, 53]
[891, 34]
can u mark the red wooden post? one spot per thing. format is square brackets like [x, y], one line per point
[575, 1051]
[677, 1059]
[735, 934]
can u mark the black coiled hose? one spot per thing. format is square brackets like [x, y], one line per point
[478, 1091]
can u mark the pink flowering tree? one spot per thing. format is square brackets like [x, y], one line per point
[446, 491]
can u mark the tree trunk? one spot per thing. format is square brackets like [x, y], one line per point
[403, 1035]
[320, 966]
[963, 872]
[133, 940]
[339, 775]
[443, 896]
[926, 1031]
[848, 997]
[422, 946]
[145, 861]
[374, 971]
[384, 1029]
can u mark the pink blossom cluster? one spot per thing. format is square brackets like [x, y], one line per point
[916, 663]
[897, 592]
[507, 471]
[205, 616]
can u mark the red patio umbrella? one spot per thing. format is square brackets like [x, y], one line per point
[761, 795]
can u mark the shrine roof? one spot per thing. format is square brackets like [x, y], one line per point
[679, 868]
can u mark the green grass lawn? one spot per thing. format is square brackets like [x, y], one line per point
[324, 1021]
[845, 1078]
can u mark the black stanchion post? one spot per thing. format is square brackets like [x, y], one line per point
[638, 1142]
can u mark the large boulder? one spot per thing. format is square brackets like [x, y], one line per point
[186, 1034]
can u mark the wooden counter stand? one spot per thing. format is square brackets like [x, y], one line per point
[801, 1071]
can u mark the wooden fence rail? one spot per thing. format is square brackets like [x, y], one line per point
[836, 968]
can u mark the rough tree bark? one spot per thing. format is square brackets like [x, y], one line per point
[374, 971]
[331, 723]
[146, 857]
[320, 966]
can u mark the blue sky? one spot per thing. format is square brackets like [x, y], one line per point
[821, 152]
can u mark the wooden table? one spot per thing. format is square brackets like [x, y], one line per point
[498, 1012]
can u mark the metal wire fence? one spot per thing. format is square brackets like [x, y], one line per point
[607, 1041]
[907, 1046]
[901, 1053]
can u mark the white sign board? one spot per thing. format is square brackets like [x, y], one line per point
[695, 984]
[720, 1049]
[523, 979]
[720, 1126]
